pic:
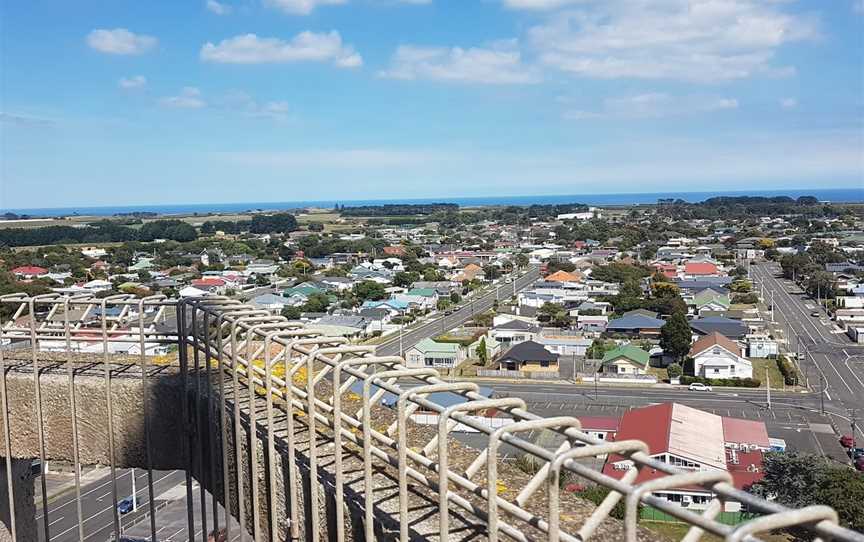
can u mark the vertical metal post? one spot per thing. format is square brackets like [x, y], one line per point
[7, 441]
[186, 439]
[822, 394]
[34, 349]
[145, 393]
[199, 432]
[73, 411]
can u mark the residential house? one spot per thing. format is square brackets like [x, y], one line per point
[716, 356]
[693, 440]
[564, 276]
[340, 325]
[698, 270]
[528, 356]
[422, 298]
[708, 302]
[29, 272]
[270, 302]
[94, 252]
[564, 343]
[430, 353]
[513, 332]
[636, 324]
[626, 359]
[728, 327]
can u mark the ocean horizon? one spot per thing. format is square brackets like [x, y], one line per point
[833, 195]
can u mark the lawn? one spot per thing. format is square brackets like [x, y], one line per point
[763, 366]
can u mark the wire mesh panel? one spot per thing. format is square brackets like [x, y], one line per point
[269, 430]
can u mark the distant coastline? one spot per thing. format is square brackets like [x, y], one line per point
[834, 195]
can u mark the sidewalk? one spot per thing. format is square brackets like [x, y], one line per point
[59, 481]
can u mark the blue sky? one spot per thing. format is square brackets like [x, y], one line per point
[128, 102]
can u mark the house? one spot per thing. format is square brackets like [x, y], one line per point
[430, 353]
[716, 356]
[528, 356]
[762, 345]
[94, 252]
[470, 272]
[564, 343]
[513, 332]
[592, 324]
[271, 302]
[733, 329]
[636, 324]
[564, 276]
[340, 284]
[601, 427]
[29, 272]
[143, 264]
[261, 267]
[423, 298]
[191, 291]
[377, 318]
[214, 284]
[696, 270]
[693, 440]
[97, 285]
[395, 250]
[709, 301]
[625, 360]
[340, 325]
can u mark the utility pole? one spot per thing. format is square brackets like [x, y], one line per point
[822, 395]
[772, 306]
[853, 423]
[768, 389]
[135, 496]
[401, 325]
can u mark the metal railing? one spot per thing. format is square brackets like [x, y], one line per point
[314, 400]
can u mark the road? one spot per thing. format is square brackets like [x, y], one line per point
[832, 364]
[437, 326]
[97, 506]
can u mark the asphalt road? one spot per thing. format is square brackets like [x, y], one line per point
[832, 365]
[464, 313]
[97, 505]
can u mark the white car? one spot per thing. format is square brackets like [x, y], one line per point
[698, 386]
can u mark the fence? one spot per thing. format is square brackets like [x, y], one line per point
[310, 444]
[504, 373]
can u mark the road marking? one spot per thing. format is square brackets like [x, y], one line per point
[56, 520]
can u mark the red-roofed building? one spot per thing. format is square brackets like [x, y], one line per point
[694, 270]
[394, 250]
[210, 284]
[670, 270]
[29, 271]
[602, 427]
[690, 439]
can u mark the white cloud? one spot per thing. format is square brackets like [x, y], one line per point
[136, 81]
[218, 8]
[652, 105]
[301, 7]
[305, 46]
[239, 101]
[120, 41]
[690, 40]
[539, 4]
[500, 64]
[788, 103]
[189, 98]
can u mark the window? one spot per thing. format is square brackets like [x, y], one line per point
[544, 364]
[716, 370]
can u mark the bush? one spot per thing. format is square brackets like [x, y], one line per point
[790, 374]
[674, 370]
[596, 494]
[728, 382]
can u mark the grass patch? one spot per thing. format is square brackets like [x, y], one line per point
[659, 372]
[763, 367]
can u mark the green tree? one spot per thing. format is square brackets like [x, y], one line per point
[482, 351]
[798, 480]
[316, 226]
[455, 297]
[291, 313]
[491, 272]
[674, 370]
[554, 313]
[675, 336]
[369, 290]
[316, 302]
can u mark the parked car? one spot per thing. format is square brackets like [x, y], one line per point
[815, 314]
[859, 464]
[125, 506]
[847, 441]
[856, 453]
[698, 386]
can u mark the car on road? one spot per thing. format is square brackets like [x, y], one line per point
[125, 506]
[859, 464]
[847, 441]
[815, 314]
[856, 453]
[698, 386]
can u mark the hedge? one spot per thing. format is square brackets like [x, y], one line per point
[730, 382]
[790, 375]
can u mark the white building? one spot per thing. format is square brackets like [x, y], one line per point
[716, 356]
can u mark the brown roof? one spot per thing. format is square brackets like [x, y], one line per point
[712, 339]
[564, 276]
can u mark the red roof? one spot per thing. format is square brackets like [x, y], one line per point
[745, 432]
[700, 268]
[208, 282]
[29, 270]
[394, 250]
[746, 469]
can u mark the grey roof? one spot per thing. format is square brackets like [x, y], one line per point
[269, 299]
[528, 351]
[374, 313]
[728, 327]
[357, 322]
[517, 325]
[705, 282]
[634, 321]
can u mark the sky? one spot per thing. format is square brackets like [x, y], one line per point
[110, 102]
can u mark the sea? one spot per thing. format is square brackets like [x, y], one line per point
[834, 195]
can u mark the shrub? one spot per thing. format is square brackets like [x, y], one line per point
[790, 374]
[729, 382]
